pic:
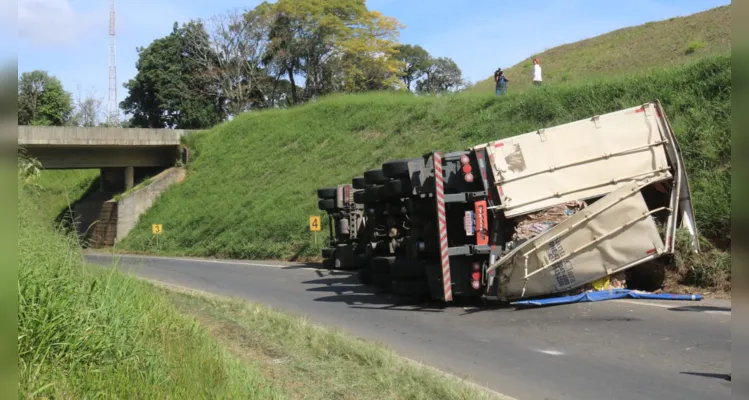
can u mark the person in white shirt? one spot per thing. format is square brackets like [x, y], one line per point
[536, 72]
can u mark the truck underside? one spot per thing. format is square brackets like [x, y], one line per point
[546, 212]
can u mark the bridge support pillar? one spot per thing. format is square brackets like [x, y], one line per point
[129, 178]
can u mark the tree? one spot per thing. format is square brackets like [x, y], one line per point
[88, 109]
[169, 90]
[335, 45]
[42, 100]
[442, 75]
[229, 57]
[415, 61]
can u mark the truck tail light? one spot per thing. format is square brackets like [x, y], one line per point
[476, 266]
[475, 285]
[476, 276]
[464, 159]
[467, 169]
[468, 177]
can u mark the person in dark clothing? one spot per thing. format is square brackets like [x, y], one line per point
[500, 81]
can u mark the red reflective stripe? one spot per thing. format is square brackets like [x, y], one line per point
[639, 110]
[501, 191]
[498, 144]
[651, 251]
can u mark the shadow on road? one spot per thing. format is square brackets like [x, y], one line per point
[700, 308]
[726, 377]
[344, 287]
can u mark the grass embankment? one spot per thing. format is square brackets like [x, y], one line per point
[625, 51]
[56, 190]
[251, 187]
[84, 332]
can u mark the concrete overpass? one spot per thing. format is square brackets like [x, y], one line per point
[117, 152]
[124, 157]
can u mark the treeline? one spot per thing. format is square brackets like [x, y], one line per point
[273, 56]
[276, 55]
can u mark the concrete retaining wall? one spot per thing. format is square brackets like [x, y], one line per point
[133, 204]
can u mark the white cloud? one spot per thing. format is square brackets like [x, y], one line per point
[55, 23]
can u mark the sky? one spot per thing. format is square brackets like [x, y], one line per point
[69, 38]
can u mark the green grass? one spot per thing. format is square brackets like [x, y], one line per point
[57, 189]
[87, 332]
[625, 51]
[92, 334]
[251, 187]
[313, 362]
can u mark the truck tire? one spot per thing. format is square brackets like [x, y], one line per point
[328, 252]
[358, 183]
[327, 193]
[397, 189]
[405, 269]
[374, 177]
[381, 281]
[365, 276]
[395, 168]
[360, 197]
[372, 193]
[381, 265]
[410, 288]
[326, 204]
[328, 263]
[365, 270]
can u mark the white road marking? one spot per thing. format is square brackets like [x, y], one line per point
[551, 352]
[668, 306]
[203, 260]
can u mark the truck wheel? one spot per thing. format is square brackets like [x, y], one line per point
[358, 183]
[326, 204]
[327, 193]
[328, 263]
[381, 281]
[395, 168]
[397, 188]
[381, 265]
[365, 270]
[374, 177]
[360, 197]
[405, 269]
[372, 193]
[328, 252]
[410, 288]
[365, 276]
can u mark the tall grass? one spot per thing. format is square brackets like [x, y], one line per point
[252, 185]
[84, 334]
[635, 49]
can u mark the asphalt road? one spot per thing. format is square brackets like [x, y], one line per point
[619, 349]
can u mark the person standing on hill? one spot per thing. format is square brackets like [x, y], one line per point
[501, 81]
[536, 72]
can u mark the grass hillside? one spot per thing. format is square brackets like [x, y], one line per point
[634, 49]
[251, 187]
[85, 333]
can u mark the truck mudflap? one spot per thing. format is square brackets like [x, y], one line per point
[613, 234]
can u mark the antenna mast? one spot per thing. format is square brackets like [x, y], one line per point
[113, 114]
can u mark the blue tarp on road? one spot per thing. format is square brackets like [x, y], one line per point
[608, 295]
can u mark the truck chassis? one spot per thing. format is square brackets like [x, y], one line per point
[442, 225]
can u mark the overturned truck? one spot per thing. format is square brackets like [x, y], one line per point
[546, 212]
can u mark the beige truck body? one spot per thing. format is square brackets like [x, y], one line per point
[626, 163]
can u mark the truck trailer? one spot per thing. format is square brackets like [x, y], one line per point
[542, 213]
